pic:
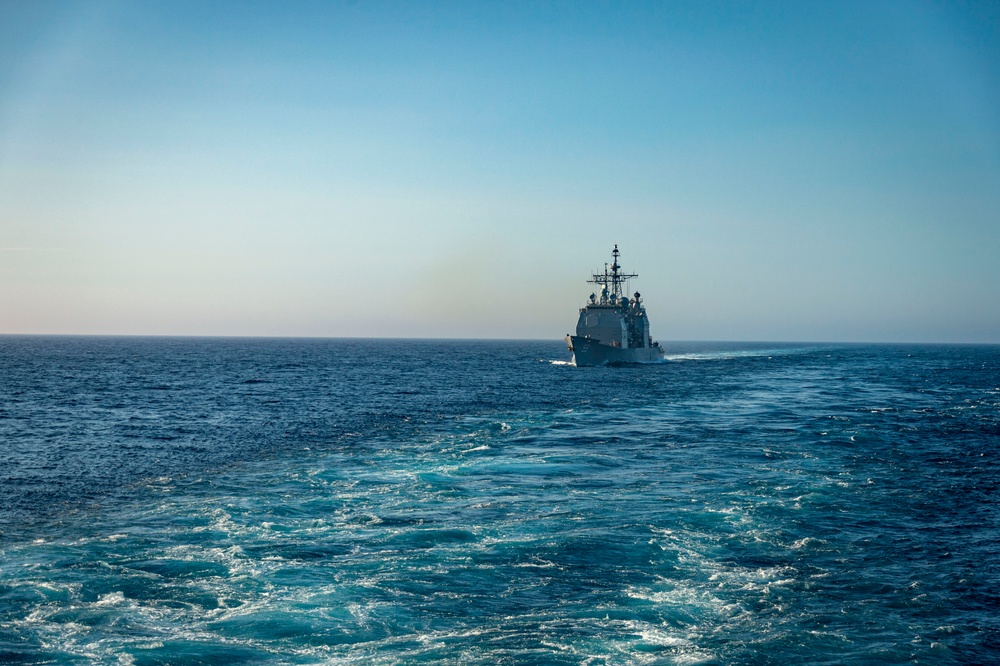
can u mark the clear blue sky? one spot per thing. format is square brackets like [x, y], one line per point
[773, 171]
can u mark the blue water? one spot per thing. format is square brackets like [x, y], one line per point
[190, 501]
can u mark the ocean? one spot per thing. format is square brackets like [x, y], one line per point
[306, 501]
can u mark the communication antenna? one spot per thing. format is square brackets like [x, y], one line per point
[612, 282]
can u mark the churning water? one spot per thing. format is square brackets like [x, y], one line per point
[388, 502]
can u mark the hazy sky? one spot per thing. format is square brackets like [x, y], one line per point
[773, 171]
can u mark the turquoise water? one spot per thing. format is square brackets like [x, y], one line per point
[383, 502]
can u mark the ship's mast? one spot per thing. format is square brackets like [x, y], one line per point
[614, 280]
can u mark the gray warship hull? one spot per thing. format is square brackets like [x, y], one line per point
[590, 352]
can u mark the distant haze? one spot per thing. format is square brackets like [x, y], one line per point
[773, 171]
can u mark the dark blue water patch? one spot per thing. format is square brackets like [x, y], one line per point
[132, 408]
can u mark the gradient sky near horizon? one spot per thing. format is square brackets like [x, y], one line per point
[824, 171]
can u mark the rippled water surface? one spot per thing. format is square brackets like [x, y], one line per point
[382, 502]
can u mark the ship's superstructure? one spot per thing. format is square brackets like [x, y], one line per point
[613, 328]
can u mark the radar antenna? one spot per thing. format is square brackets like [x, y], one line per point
[613, 281]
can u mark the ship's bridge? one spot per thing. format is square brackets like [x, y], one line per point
[603, 323]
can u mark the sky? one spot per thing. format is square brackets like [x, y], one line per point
[781, 171]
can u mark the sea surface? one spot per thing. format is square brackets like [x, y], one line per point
[251, 501]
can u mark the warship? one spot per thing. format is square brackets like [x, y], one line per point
[613, 329]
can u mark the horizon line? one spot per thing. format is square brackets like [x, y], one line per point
[471, 339]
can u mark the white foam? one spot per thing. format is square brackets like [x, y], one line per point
[733, 354]
[110, 599]
[806, 541]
